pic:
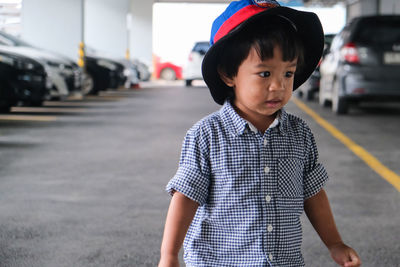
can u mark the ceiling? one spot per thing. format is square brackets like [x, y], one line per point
[306, 2]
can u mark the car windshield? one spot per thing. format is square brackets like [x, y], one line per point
[328, 39]
[379, 31]
[201, 47]
[12, 40]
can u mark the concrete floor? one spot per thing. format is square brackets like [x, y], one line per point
[86, 187]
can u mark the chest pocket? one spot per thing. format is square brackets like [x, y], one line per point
[290, 177]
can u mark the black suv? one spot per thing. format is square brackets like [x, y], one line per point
[363, 64]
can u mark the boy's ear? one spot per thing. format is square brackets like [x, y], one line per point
[227, 80]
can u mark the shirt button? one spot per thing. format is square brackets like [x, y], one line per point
[271, 257]
[266, 169]
[268, 198]
[265, 142]
[270, 228]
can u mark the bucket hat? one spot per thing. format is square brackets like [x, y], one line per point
[240, 15]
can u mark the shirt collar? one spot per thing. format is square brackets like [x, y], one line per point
[275, 123]
[235, 124]
[238, 126]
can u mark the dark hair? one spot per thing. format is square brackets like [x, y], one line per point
[263, 36]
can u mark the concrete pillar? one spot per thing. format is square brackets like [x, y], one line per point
[106, 26]
[54, 25]
[141, 43]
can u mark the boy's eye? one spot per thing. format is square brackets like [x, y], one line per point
[289, 74]
[265, 74]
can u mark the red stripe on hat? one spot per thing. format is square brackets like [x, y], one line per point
[240, 16]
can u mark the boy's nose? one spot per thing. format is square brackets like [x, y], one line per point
[276, 84]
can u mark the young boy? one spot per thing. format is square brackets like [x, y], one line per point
[247, 171]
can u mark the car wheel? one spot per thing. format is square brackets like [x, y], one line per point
[322, 100]
[339, 104]
[5, 109]
[300, 94]
[309, 95]
[35, 103]
[189, 82]
[168, 74]
[87, 84]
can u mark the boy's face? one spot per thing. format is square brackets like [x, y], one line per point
[262, 87]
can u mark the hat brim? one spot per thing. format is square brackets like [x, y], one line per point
[309, 30]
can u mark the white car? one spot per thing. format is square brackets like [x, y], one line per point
[192, 70]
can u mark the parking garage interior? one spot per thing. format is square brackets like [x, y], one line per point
[83, 168]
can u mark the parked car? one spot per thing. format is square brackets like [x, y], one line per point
[106, 72]
[192, 69]
[22, 79]
[143, 70]
[131, 74]
[166, 70]
[102, 73]
[65, 74]
[311, 86]
[363, 64]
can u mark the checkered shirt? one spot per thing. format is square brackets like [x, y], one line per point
[250, 188]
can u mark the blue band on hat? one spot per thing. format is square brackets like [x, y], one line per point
[230, 11]
[235, 7]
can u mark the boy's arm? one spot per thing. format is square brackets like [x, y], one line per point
[320, 215]
[180, 215]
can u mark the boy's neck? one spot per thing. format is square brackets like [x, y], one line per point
[262, 123]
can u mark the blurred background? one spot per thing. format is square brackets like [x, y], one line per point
[97, 95]
[87, 46]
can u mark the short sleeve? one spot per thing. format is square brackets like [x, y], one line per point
[193, 174]
[315, 175]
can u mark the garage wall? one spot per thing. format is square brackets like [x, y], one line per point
[106, 27]
[390, 7]
[372, 7]
[361, 7]
[142, 30]
[53, 25]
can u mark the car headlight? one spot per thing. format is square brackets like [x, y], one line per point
[53, 64]
[106, 64]
[59, 66]
[18, 63]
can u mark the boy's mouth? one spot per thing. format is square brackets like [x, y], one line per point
[273, 103]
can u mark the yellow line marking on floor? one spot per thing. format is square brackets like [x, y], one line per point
[27, 118]
[387, 174]
[47, 110]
